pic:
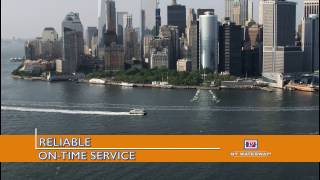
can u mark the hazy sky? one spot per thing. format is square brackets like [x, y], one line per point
[27, 18]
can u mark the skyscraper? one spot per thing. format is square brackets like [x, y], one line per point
[47, 47]
[143, 23]
[49, 34]
[236, 13]
[203, 11]
[159, 58]
[228, 8]
[252, 49]
[253, 35]
[158, 18]
[131, 46]
[177, 16]
[192, 37]
[279, 53]
[106, 25]
[102, 20]
[230, 44]
[91, 34]
[250, 10]
[208, 26]
[279, 23]
[142, 32]
[110, 35]
[120, 26]
[244, 11]
[149, 6]
[111, 15]
[310, 43]
[114, 57]
[171, 33]
[261, 2]
[72, 42]
[311, 7]
[239, 11]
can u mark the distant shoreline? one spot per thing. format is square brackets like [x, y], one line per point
[150, 85]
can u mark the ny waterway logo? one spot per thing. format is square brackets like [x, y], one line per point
[250, 144]
[250, 149]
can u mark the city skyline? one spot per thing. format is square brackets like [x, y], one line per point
[88, 10]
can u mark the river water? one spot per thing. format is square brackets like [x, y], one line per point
[71, 108]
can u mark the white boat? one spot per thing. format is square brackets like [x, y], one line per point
[140, 112]
[97, 81]
[124, 84]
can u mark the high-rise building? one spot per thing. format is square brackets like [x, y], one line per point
[177, 16]
[183, 47]
[131, 45]
[239, 11]
[192, 39]
[228, 8]
[230, 44]
[120, 26]
[252, 49]
[72, 42]
[236, 13]
[49, 34]
[310, 43]
[102, 21]
[250, 10]
[203, 11]
[107, 28]
[311, 7]
[279, 23]
[159, 58]
[33, 49]
[158, 19]
[261, 2]
[283, 60]
[253, 35]
[114, 57]
[146, 47]
[111, 15]
[47, 47]
[51, 47]
[172, 34]
[199, 13]
[110, 35]
[279, 53]
[184, 65]
[149, 6]
[158, 44]
[90, 45]
[244, 11]
[142, 32]
[208, 26]
[143, 24]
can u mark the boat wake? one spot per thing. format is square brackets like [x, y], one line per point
[78, 109]
[65, 111]
[209, 97]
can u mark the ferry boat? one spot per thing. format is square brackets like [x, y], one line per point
[301, 87]
[140, 112]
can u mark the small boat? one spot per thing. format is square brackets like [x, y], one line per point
[125, 84]
[97, 81]
[301, 87]
[140, 112]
